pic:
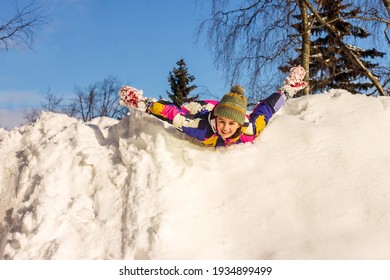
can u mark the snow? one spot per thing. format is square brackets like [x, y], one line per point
[314, 185]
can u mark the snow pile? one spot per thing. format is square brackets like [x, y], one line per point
[315, 185]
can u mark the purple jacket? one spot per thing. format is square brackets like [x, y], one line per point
[196, 119]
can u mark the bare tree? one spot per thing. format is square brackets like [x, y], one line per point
[85, 102]
[97, 100]
[347, 49]
[108, 100]
[249, 38]
[19, 29]
[52, 102]
[31, 115]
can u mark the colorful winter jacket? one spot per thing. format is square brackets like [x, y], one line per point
[196, 119]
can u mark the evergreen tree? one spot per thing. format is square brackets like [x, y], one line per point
[329, 66]
[179, 80]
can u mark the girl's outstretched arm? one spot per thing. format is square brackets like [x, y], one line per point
[180, 118]
[269, 106]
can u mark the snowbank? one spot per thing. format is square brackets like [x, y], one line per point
[315, 185]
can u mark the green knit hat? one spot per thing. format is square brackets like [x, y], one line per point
[233, 105]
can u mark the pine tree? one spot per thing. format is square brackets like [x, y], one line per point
[179, 80]
[329, 66]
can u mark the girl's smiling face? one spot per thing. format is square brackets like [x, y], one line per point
[226, 127]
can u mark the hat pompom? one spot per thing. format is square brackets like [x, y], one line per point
[238, 89]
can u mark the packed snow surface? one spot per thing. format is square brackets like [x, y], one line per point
[314, 185]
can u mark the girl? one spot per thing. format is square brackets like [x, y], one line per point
[220, 123]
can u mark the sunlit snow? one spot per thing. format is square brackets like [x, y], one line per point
[314, 185]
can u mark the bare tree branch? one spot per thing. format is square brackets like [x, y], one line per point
[97, 100]
[52, 102]
[247, 40]
[346, 49]
[31, 115]
[19, 29]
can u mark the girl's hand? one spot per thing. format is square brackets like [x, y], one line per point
[294, 81]
[132, 98]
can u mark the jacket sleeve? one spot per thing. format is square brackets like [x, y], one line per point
[181, 119]
[264, 111]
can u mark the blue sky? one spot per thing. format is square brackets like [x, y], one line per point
[85, 41]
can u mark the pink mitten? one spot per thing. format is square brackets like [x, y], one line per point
[294, 81]
[132, 97]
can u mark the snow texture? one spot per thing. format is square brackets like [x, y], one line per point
[314, 185]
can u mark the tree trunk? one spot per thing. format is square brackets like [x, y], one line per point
[306, 42]
[345, 48]
[387, 5]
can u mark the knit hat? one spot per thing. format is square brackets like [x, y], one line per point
[233, 105]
